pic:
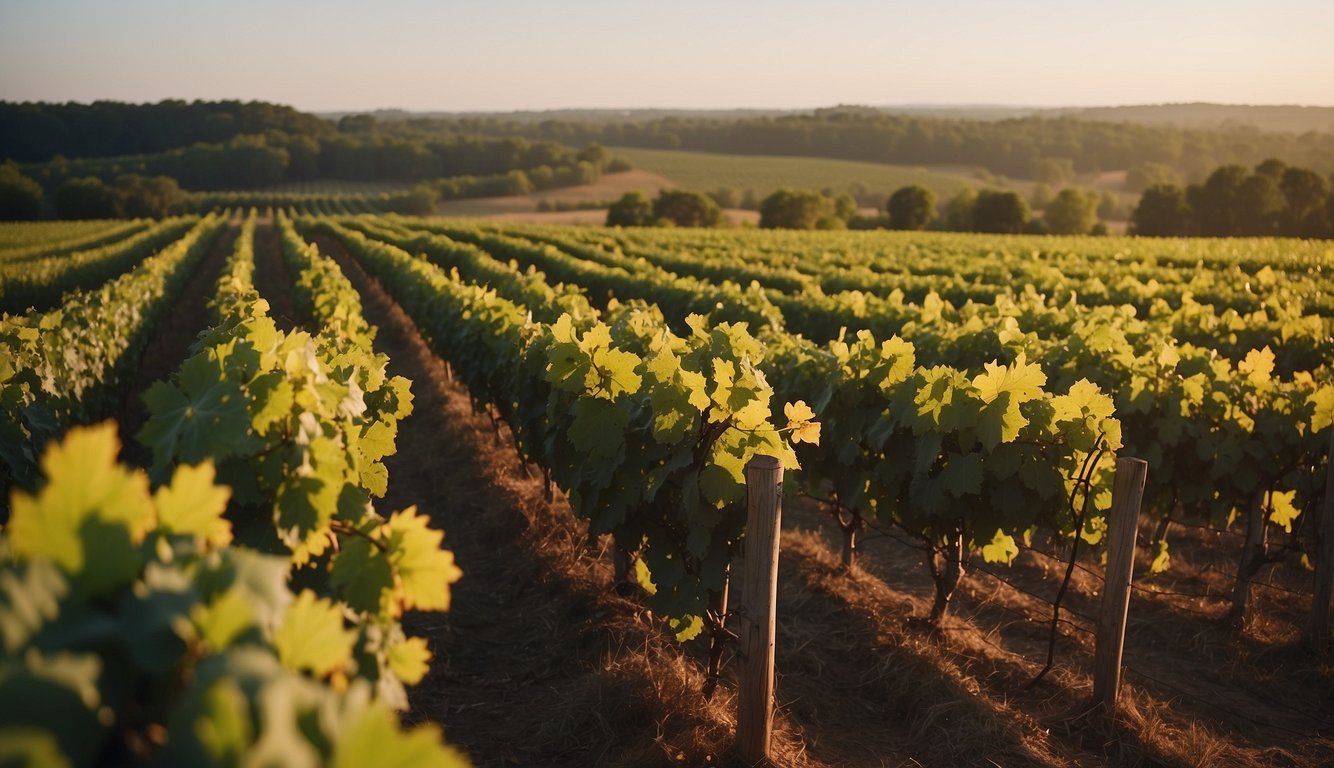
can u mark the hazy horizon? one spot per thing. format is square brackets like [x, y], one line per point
[521, 55]
[804, 108]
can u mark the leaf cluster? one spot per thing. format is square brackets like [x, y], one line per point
[299, 426]
[72, 364]
[647, 431]
[134, 631]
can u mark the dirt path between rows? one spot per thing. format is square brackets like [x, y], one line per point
[272, 279]
[170, 345]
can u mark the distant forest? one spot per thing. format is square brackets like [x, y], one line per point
[1018, 148]
[232, 145]
[1289, 118]
[35, 132]
[235, 145]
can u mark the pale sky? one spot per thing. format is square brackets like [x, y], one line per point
[492, 55]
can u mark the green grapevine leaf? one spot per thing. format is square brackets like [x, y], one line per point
[365, 577]
[191, 505]
[223, 728]
[1322, 415]
[598, 428]
[801, 420]
[274, 398]
[373, 738]
[962, 475]
[1003, 389]
[616, 373]
[410, 660]
[1282, 509]
[1001, 549]
[224, 620]
[1162, 558]
[673, 415]
[204, 415]
[425, 571]
[688, 628]
[1023, 381]
[1258, 367]
[312, 637]
[90, 516]
[644, 578]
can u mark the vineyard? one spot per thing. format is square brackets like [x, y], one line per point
[302, 486]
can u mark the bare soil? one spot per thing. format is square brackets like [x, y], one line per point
[272, 279]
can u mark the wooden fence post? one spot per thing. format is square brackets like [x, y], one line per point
[1324, 564]
[759, 592]
[1122, 524]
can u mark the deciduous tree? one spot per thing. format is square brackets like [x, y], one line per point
[634, 209]
[1000, 212]
[86, 198]
[911, 207]
[686, 209]
[1304, 193]
[794, 209]
[958, 212]
[1162, 212]
[1071, 212]
[20, 196]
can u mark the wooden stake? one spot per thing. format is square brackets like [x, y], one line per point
[1324, 564]
[759, 592]
[1122, 523]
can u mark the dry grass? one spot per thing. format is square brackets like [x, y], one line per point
[1196, 693]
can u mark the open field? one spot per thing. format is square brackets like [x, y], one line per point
[607, 188]
[524, 208]
[704, 171]
[552, 370]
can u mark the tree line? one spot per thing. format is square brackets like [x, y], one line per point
[1273, 199]
[127, 196]
[256, 161]
[289, 148]
[232, 145]
[37, 132]
[1030, 147]
[1071, 211]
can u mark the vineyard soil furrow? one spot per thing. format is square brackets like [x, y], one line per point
[272, 278]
